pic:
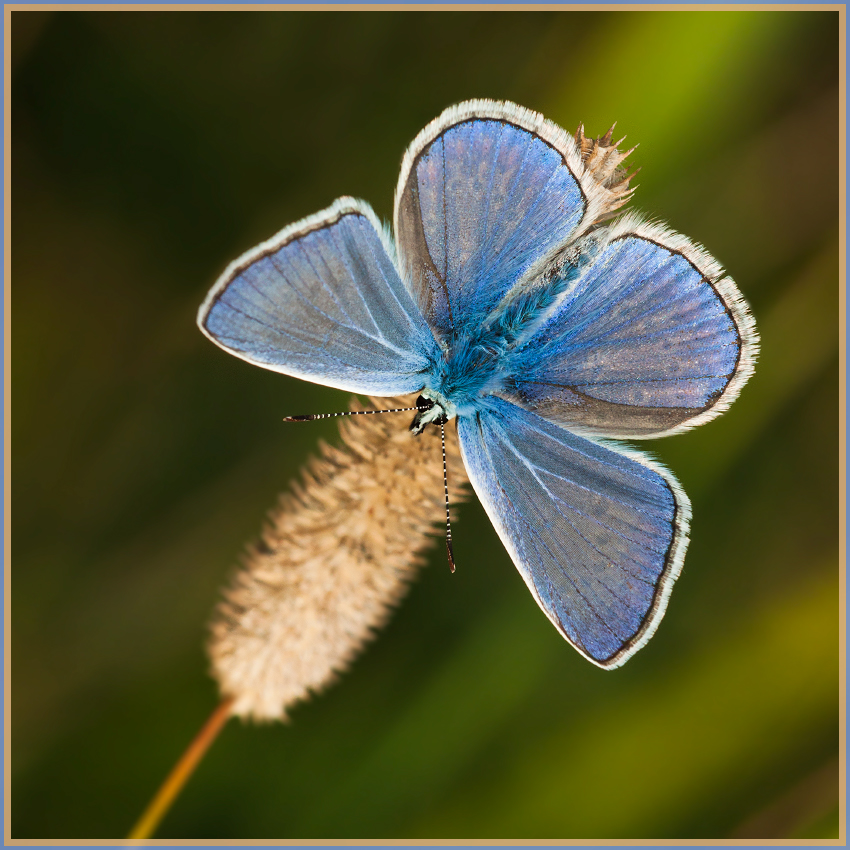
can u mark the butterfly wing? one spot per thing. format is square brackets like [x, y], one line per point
[323, 301]
[487, 192]
[649, 340]
[598, 535]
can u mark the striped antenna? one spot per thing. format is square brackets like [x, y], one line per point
[446, 488]
[310, 417]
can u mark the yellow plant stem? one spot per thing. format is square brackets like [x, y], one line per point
[181, 771]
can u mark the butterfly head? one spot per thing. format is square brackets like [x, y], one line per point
[433, 407]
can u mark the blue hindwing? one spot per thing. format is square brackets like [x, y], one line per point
[650, 339]
[597, 535]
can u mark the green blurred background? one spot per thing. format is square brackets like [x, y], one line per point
[150, 149]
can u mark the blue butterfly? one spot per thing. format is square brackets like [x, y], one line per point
[513, 304]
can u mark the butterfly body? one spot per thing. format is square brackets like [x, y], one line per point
[482, 356]
[507, 299]
[469, 371]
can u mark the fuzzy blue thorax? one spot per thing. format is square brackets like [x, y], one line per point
[479, 358]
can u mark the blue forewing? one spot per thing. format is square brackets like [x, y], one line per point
[323, 301]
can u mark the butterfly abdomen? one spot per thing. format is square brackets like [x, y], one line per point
[521, 314]
[477, 360]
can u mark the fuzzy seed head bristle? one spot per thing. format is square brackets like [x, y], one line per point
[603, 163]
